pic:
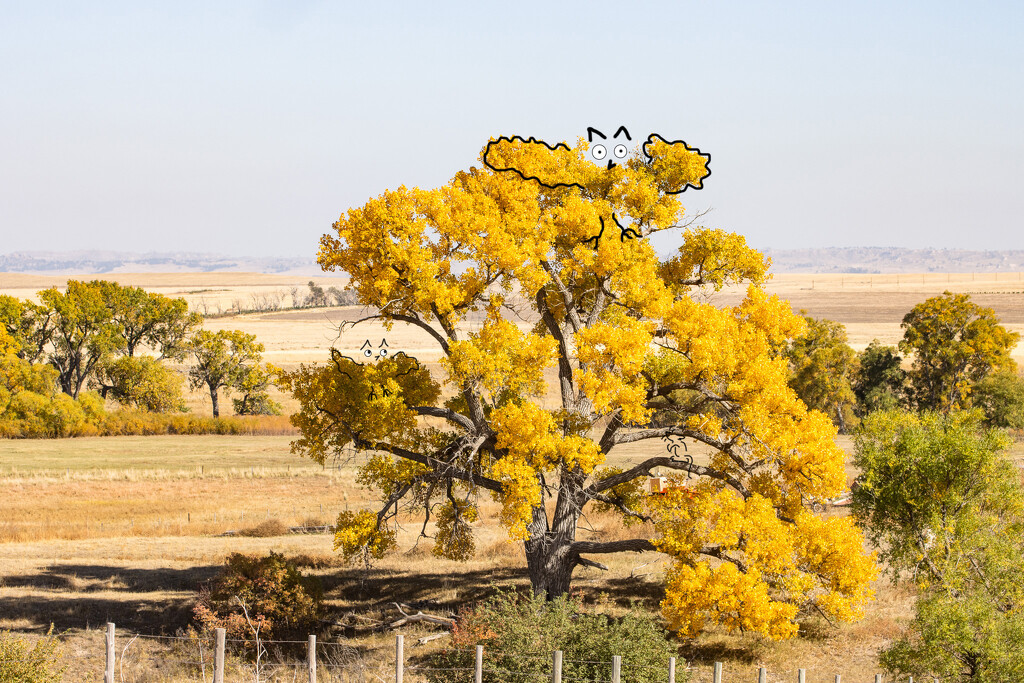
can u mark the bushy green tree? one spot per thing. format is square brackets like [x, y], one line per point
[879, 381]
[955, 343]
[946, 507]
[821, 367]
[1000, 396]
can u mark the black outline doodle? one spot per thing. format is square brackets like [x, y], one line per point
[336, 355]
[650, 140]
[624, 233]
[528, 141]
[673, 448]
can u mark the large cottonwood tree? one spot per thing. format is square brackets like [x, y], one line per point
[555, 239]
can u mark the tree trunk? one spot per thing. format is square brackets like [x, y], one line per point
[213, 399]
[548, 560]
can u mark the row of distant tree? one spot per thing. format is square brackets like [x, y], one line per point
[315, 296]
[99, 340]
[959, 357]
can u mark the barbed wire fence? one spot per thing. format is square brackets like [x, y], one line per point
[134, 658]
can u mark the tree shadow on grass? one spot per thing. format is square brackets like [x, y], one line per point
[67, 595]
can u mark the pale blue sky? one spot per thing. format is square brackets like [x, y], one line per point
[248, 127]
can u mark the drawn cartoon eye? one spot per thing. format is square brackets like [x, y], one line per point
[599, 152]
[367, 353]
[620, 151]
[383, 353]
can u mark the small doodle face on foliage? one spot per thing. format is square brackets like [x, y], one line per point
[674, 165]
[371, 354]
[614, 151]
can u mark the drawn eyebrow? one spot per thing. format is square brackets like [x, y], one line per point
[622, 129]
[365, 344]
[590, 134]
[383, 342]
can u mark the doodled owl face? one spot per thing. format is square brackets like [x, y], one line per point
[612, 151]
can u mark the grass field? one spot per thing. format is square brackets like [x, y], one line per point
[126, 528]
[107, 538]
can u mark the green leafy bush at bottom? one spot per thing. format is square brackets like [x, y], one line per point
[39, 663]
[519, 633]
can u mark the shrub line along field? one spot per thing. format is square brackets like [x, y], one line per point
[127, 528]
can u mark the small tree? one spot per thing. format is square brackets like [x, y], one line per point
[84, 331]
[280, 601]
[223, 359]
[947, 508]
[821, 366]
[253, 383]
[955, 343]
[879, 381]
[142, 382]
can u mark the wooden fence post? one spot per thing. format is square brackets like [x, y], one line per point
[556, 666]
[399, 658]
[801, 676]
[616, 668]
[878, 678]
[762, 675]
[218, 657]
[671, 670]
[839, 678]
[311, 658]
[718, 672]
[108, 673]
[478, 665]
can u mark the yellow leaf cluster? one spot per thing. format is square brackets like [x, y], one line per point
[533, 444]
[357, 535]
[613, 354]
[501, 359]
[812, 562]
[454, 538]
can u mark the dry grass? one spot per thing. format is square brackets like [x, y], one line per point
[57, 566]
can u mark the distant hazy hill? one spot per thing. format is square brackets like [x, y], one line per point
[69, 262]
[893, 260]
[828, 260]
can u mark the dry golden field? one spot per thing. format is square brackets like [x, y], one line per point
[126, 528]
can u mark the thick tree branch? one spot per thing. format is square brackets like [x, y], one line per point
[412, 320]
[636, 545]
[450, 415]
[440, 467]
[644, 470]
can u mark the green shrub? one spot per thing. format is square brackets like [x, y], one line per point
[39, 663]
[280, 601]
[519, 633]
